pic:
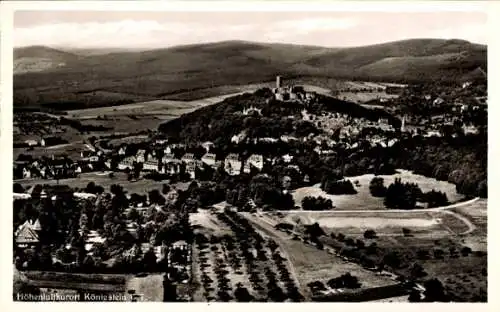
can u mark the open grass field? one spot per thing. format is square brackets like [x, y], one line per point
[151, 108]
[477, 214]
[141, 186]
[205, 222]
[73, 150]
[385, 223]
[363, 97]
[363, 200]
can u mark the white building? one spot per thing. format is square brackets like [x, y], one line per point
[151, 164]
[287, 158]
[232, 164]
[207, 145]
[141, 156]
[256, 160]
[209, 159]
[188, 157]
[127, 162]
[238, 137]
[122, 150]
[31, 142]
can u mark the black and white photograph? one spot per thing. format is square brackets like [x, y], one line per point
[285, 155]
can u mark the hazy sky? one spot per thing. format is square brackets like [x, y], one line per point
[86, 29]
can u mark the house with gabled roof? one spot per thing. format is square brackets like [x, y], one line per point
[209, 159]
[27, 234]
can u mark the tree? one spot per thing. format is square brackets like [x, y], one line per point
[149, 260]
[369, 234]
[156, 198]
[133, 215]
[18, 188]
[434, 291]
[392, 259]
[137, 169]
[465, 251]
[165, 189]
[316, 203]
[402, 195]
[438, 253]
[90, 187]
[338, 187]
[414, 296]
[340, 237]
[417, 271]
[377, 188]
[435, 199]
[242, 295]
[482, 189]
[422, 254]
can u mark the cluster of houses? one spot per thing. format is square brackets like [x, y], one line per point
[57, 167]
[169, 164]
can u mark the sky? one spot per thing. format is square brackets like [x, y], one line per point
[150, 30]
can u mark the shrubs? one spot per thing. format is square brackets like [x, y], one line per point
[344, 281]
[316, 203]
[435, 199]
[338, 187]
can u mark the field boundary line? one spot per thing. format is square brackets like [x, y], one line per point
[442, 208]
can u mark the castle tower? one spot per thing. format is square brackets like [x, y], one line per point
[278, 82]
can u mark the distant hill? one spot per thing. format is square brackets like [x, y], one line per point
[406, 60]
[40, 58]
[65, 79]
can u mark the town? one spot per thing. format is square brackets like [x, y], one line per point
[267, 152]
[225, 156]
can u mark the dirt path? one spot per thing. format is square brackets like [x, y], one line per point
[437, 209]
[268, 230]
[469, 224]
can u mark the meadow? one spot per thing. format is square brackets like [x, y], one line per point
[363, 200]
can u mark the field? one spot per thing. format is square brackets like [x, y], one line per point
[141, 116]
[429, 233]
[363, 200]
[477, 214]
[141, 186]
[312, 264]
